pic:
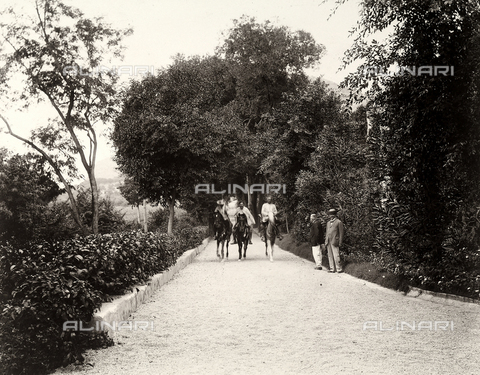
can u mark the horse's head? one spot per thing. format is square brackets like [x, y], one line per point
[217, 219]
[242, 220]
[271, 217]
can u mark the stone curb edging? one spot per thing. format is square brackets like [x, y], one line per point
[426, 295]
[431, 296]
[413, 292]
[120, 308]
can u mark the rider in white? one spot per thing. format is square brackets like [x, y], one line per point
[231, 210]
[267, 208]
[250, 219]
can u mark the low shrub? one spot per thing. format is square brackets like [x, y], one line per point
[158, 220]
[44, 284]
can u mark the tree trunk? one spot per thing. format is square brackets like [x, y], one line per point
[249, 203]
[95, 200]
[172, 214]
[145, 227]
[138, 216]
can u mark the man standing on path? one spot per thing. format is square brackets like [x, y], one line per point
[317, 240]
[333, 240]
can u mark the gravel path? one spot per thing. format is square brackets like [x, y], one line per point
[258, 317]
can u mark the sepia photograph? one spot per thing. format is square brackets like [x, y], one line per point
[252, 187]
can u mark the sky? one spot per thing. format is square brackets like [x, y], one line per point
[164, 28]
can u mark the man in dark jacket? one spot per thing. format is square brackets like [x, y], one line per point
[317, 240]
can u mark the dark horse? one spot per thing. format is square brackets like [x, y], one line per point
[222, 230]
[242, 234]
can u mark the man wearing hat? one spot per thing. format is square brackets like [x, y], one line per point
[316, 240]
[221, 209]
[333, 240]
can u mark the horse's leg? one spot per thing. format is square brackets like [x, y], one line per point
[218, 245]
[223, 252]
[263, 232]
[266, 243]
[270, 249]
[239, 248]
[272, 246]
[245, 244]
[227, 240]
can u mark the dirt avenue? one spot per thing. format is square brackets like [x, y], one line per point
[258, 317]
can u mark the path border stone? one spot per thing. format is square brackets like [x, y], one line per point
[435, 296]
[121, 307]
[414, 292]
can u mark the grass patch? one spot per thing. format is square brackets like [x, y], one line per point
[364, 270]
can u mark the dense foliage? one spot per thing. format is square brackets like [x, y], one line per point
[26, 190]
[337, 176]
[30, 210]
[199, 121]
[424, 136]
[44, 284]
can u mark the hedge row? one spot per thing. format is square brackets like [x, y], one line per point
[45, 284]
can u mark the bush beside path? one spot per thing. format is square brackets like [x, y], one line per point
[258, 317]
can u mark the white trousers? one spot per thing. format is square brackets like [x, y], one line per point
[317, 254]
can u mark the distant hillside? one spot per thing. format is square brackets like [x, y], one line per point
[108, 181]
[107, 169]
[334, 86]
[344, 93]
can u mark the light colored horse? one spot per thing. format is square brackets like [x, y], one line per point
[270, 236]
[231, 210]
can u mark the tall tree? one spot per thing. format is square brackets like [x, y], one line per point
[267, 63]
[425, 133]
[58, 53]
[174, 128]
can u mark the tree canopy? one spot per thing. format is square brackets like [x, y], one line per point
[199, 120]
[58, 53]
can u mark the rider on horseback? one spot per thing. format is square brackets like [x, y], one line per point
[220, 209]
[242, 210]
[267, 208]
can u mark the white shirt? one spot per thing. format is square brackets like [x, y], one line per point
[266, 209]
[231, 210]
[248, 214]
